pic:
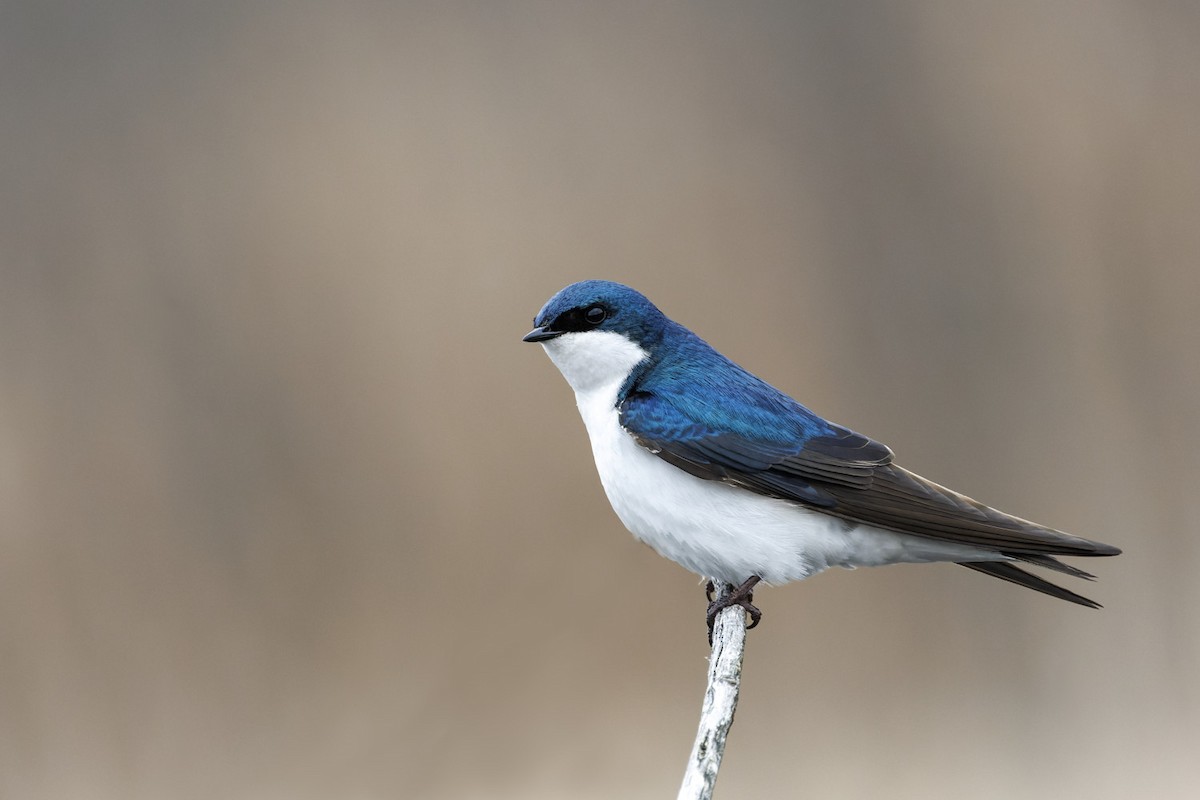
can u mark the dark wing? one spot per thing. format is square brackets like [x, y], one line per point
[851, 476]
[900, 500]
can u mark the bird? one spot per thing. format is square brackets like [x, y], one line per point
[724, 474]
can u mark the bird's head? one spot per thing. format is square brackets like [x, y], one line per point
[595, 332]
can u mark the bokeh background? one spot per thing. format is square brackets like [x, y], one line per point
[288, 511]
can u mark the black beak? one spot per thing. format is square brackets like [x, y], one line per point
[540, 334]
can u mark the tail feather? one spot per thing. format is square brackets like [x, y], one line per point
[1050, 562]
[1007, 571]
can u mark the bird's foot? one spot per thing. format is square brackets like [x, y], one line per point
[741, 596]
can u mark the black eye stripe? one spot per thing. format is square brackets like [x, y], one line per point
[582, 318]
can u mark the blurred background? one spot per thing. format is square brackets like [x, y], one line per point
[287, 510]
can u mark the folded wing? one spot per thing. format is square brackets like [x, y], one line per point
[840, 472]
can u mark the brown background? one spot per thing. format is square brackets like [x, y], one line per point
[288, 511]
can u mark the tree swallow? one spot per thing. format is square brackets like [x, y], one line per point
[734, 480]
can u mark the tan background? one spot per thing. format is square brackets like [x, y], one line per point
[288, 511]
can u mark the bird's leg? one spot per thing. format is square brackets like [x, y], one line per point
[741, 596]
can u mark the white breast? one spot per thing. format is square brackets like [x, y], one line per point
[714, 529]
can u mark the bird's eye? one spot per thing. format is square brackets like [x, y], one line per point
[595, 315]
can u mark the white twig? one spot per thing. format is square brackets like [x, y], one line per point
[720, 701]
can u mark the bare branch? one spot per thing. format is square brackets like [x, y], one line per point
[720, 701]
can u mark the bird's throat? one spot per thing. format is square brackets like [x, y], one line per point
[594, 359]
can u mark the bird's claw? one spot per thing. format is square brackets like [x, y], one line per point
[741, 596]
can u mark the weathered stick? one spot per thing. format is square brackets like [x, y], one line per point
[720, 701]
